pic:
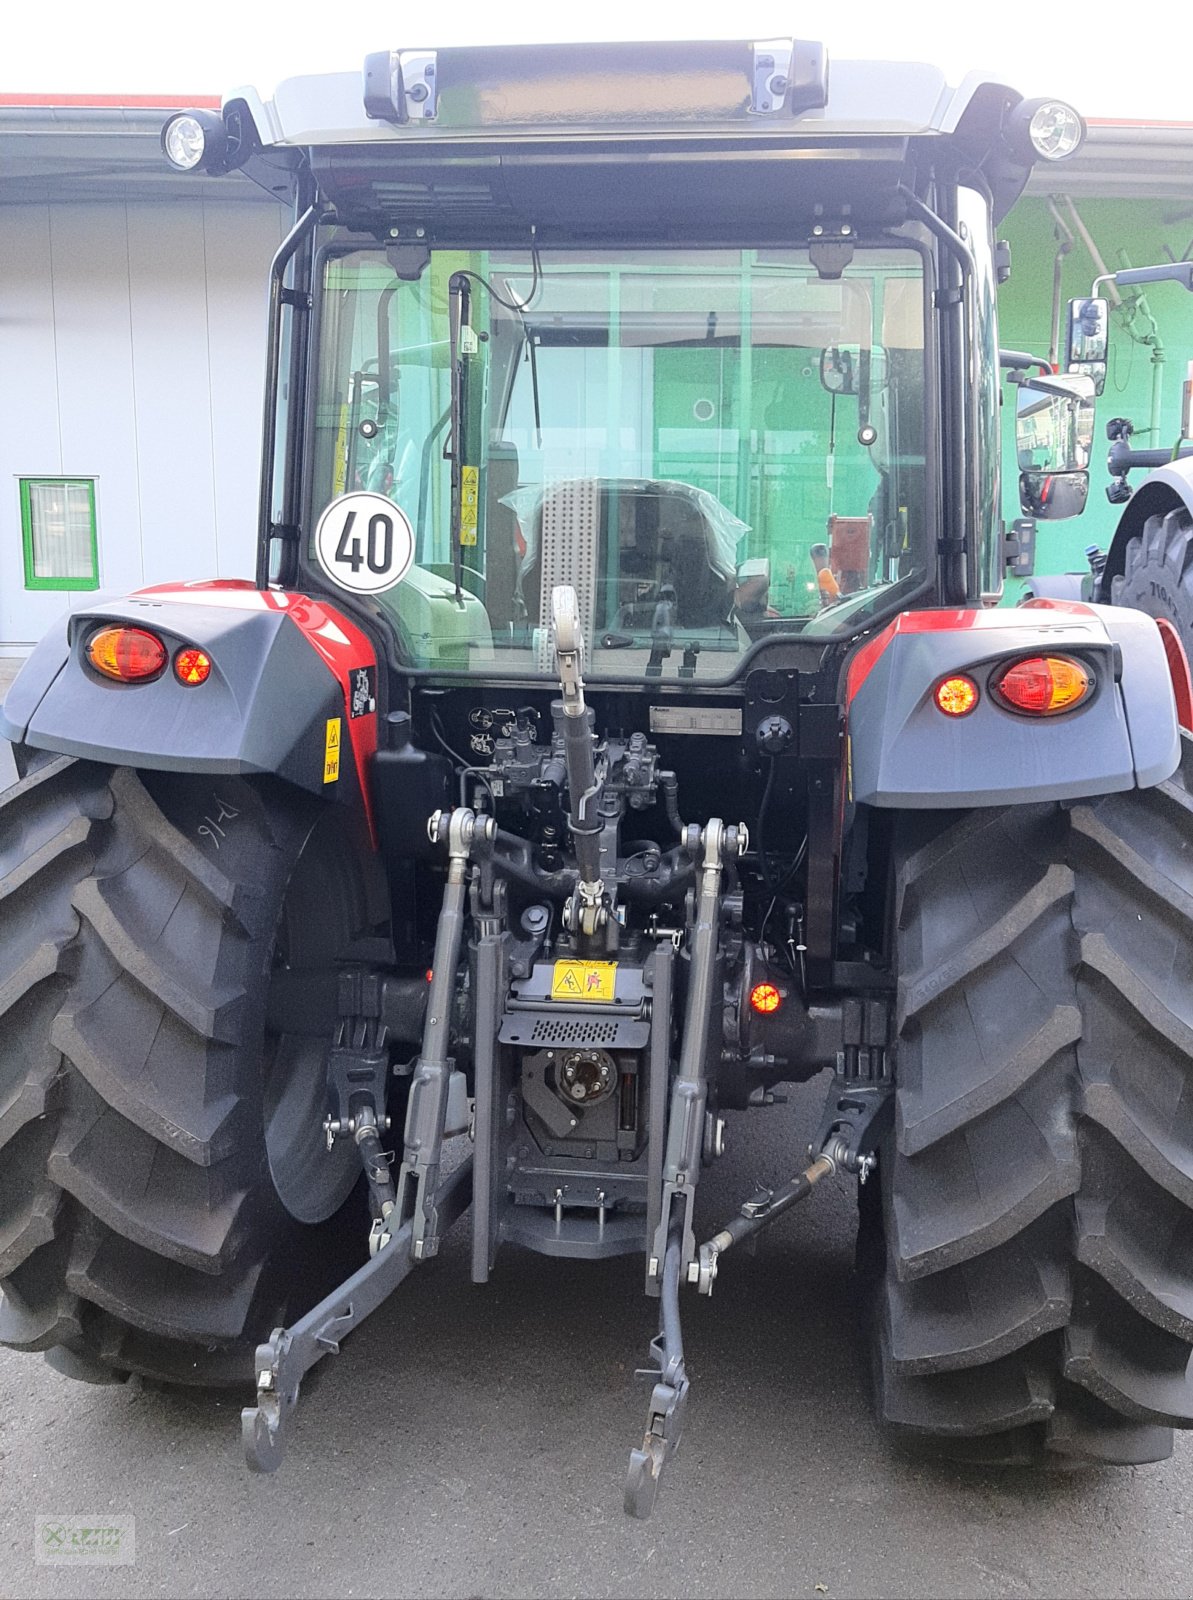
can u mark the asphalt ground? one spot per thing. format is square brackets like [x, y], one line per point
[472, 1442]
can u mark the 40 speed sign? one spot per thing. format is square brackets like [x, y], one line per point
[364, 542]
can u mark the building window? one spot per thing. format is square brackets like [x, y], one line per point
[58, 529]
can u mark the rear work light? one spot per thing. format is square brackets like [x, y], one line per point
[192, 667]
[1042, 686]
[956, 695]
[130, 655]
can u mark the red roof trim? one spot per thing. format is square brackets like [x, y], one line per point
[122, 102]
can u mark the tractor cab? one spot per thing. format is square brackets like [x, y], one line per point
[696, 329]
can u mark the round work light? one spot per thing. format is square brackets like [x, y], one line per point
[192, 140]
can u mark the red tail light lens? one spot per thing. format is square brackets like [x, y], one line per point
[130, 655]
[956, 696]
[1042, 686]
[192, 667]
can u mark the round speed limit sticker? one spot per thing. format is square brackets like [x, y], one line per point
[364, 542]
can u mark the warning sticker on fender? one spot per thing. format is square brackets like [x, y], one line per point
[331, 751]
[584, 980]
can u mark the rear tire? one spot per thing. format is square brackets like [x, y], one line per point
[1157, 575]
[141, 916]
[1036, 1302]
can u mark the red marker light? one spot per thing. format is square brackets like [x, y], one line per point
[956, 696]
[765, 998]
[130, 655]
[192, 666]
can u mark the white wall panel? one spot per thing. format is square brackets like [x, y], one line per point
[30, 440]
[89, 261]
[168, 295]
[132, 350]
[237, 306]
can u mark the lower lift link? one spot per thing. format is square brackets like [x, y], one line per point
[664, 1418]
[857, 1113]
[412, 1215]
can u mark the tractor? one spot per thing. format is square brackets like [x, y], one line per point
[618, 725]
[1149, 564]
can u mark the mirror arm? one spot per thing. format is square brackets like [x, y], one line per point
[1021, 360]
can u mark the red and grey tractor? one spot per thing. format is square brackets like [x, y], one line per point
[618, 724]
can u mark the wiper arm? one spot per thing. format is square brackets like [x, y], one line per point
[532, 347]
[383, 352]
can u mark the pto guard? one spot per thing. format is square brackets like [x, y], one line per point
[904, 752]
[292, 690]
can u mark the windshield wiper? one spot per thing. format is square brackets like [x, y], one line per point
[532, 347]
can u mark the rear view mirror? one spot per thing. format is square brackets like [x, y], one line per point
[838, 368]
[853, 369]
[1054, 435]
[1053, 496]
[1086, 339]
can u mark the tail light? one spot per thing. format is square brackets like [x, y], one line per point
[956, 695]
[192, 667]
[1042, 686]
[130, 655]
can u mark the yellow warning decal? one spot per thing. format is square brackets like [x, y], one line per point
[584, 980]
[469, 499]
[331, 751]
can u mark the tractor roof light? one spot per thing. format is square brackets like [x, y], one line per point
[127, 655]
[1044, 130]
[195, 140]
[956, 695]
[1044, 686]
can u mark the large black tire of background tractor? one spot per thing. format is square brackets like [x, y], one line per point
[141, 918]
[1037, 1297]
[1157, 575]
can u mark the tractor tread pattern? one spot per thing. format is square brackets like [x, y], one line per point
[134, 1222]
[1038, 1285]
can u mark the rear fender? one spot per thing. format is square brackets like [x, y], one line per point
[904, 752]
[292, 691]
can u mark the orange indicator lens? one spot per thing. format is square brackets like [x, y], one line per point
[1044, 685]
[765, 998]
[192, 666]
[956, 696]
[130, 655]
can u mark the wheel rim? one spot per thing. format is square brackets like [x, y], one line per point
[322, 912]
